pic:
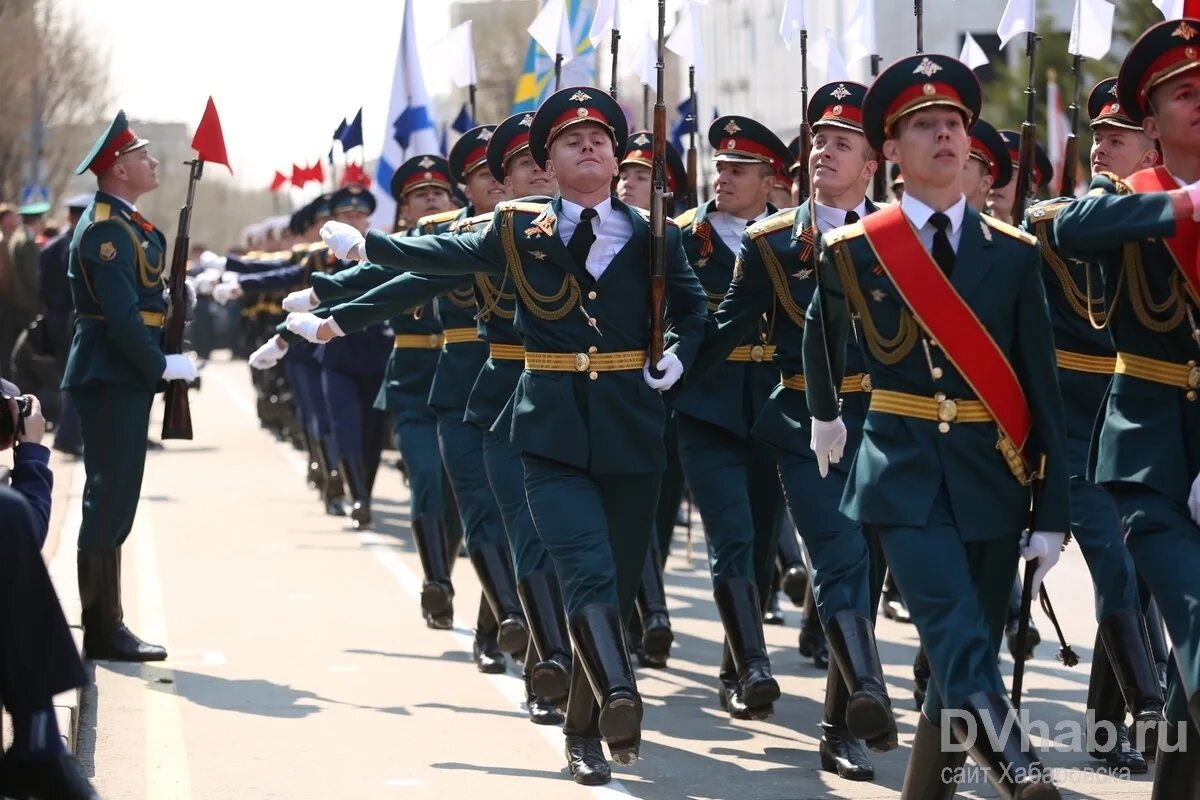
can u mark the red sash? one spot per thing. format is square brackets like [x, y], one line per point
[1184, 246]
[941, 311]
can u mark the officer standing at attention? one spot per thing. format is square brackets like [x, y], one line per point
[1144, 231]
[582, 416]
[964, 404]
[115, 366]
[1124, 675]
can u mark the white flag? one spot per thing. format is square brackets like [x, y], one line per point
[1020, 16]
[684, 41]
[828, 59]
[551, 31]
[645, 61]
[1171, 9]
[1057, 124]
[1092, 29]
[792, 22]
[608, 16]
[456, 51]
[860, 32]
[972, 54]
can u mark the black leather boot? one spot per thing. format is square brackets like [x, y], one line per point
[600, 647]
[793, 575]
[1013, 770]
[772, 614]
[869, 711]
[812, 643]
[928, 767]
[550, 676]
[1107, 706]
[541, 710]
[841, 752]
[494, 568]
[313, 475]
[921, 675]
[730, 691]
[652, 608]
[105, 637]
[355, 473]
[585, 754]
[1127, 645]
[1159, 649]
[892, 603]
[1013, 625]
[332, 492]
[58, 778]
[738, 605]
[437, 595]
[489, 658]
[1177, 766]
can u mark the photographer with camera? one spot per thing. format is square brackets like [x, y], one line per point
[38, 658]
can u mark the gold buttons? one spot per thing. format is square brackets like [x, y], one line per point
[592, 294]
[592, 349]
[582, 362]
[943, 427]
[937, 373]
[1191, 395]
[593, 375]
[757, 352]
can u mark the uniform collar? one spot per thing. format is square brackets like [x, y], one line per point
[918, 213]
[572, 211]
[836, 217]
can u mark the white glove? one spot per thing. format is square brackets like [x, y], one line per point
[269, 354]
[179, 368]
[671, 368]
[1194, 500]
[230, 277]
[344, 240]
[303, 300]
[310, 326]
[1046, 547]
[207, 279]
[224, 292]
[210, 260]
[828, 443]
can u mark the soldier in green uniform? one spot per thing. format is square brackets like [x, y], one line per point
[964, 396]
[115, 366]
[775, 275]
[732, 473]
[1124, 675]
[583, 417]
[1142, 231]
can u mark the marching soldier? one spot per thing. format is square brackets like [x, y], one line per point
[115, 366]
[733, 473]
[963, 396]
[1143, 233]
[1002, 198]
[1123, 669]
[775, 274]
[582, 416]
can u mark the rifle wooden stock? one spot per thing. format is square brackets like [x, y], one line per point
[1024, 172]
[177, 414]
[1069, 159]
[659, 196]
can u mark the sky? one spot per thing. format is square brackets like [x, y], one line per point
[282, 73]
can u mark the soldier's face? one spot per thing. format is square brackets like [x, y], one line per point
[1000, 201]
[582, 158]
[526, 178]
[1120, 151]
[137, 170]
[359, 220]
[425, 201]
[484, 191]
[976, 183]
[634, 185]
[742, 189]
[781, 195]
[838, 161]
[1175, 113]
[931, 146]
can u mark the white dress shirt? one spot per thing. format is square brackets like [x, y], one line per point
[612, 228]
[918, 214]
[731, 228]
[829, 217]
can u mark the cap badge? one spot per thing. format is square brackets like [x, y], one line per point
[1190, 52]
[927, 68]
[1114, 108]
[581, 112]
[526, 121]
[731, 144]
[580, 96]
[426, 162]
[837, 111]
[731, 128]
[1113, 90]
[428, 175]
[642, 140]
[1185, 32]
[485, 134]
[841, 92]
[928, 88]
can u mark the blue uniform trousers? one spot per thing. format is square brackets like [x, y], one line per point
[1097, 528]
[597, 528]
[462, 453]
[416, 438]
[1165, 544]
[735, 484]
[356, 424]
[506, 474]
[957, 593]
[304, 375]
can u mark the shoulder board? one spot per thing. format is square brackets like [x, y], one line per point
[1008, 230]
[472, 222]
[437, 219]
[302, 247]
[1045, 211]
[518, 205]
[101, 212]
[686, 218]
[1119, 184]
[845, 234]
[776, 222]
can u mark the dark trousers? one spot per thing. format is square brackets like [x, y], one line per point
[114, 420]
[417, 440]
[597, 528]
[462, 452]
[68, 431]
[957, 593]
[1097, 528]
[735, 484]
[670, 493]
[357, 426]
[506, 474]
[38, 658]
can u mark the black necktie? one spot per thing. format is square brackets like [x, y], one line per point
[943, 253]
[851, 217]
[582, 238]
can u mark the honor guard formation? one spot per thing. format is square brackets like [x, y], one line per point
[875, 336]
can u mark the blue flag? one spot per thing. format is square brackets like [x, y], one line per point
[352, 134]
[411, 120]
[445, 141]
[341, 129]
[683, 126]
[463, 122]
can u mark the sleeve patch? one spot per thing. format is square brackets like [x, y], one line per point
[108, 251]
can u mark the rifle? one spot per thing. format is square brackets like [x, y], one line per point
[1028, 137]
[879, 179]
[805, 132]
[919, 11]
[691, 198]
[1072, 150]
[613, 48]
[177, 416]
[659, 197]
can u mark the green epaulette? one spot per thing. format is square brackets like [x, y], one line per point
[845, 233]
[686, 218]
[1008, 230]
[101, 212]
[439, 218]
[1046, 211]
[776, 222]
[509, 206]
[471, 223]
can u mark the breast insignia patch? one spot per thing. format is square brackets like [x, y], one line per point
[108, 251]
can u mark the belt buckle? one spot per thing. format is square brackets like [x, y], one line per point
[866, 382]
[1193, 377]
[582, 362]
[435, 340]
[757, 352]
[947, 412]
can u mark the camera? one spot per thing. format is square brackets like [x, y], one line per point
[12, 426]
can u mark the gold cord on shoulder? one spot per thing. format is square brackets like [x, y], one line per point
[536, 302]
[888, 351]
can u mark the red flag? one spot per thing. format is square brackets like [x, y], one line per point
[317, 172]
[354, 174]
[299, 176]
[279, 181]
[209, 142]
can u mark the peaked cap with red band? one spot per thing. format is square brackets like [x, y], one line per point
[1165, 51]
[742, 140]
[1043, 169]
[914, 83]
[509, 140]
[839, 104]
[639, 149]
[352, 198]
[573, 106]
[117, 140]
[469, 153]
[1104, 107]
[989, 147]
[418, 171]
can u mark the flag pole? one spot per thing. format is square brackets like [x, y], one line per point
[471, 100]
[558, 62]
[613, 48]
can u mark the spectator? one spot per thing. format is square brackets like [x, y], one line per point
[10, 222]
[38, 658]
[23, 265]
